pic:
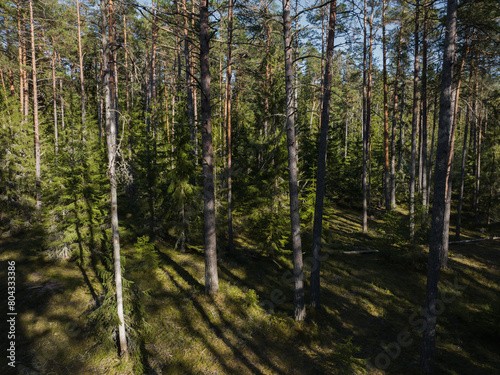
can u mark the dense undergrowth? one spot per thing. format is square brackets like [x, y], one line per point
[65, 322]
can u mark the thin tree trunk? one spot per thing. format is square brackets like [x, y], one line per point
[25, 74]
[438, 238]
[107, 82]
[298, 267]
[478, 163]
[431, 158]
[54, 99]
[20, 57]
[414, 125]
[369, 106]
[386, 116]
[320, 179]
[228, 126]
[211, 277]
[189, 85]
[365, 131]
[425, 198]
[394, 120]
[38, 180]
[462, 179]
[82, 83]
[61, 99]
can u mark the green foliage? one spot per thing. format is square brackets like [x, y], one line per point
[251, 298]
[394, 228]
[145, 257]
[345, 359]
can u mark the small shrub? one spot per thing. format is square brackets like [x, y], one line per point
[345, 360]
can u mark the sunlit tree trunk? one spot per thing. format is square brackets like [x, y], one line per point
[320, 179]
[387, 186]
[298, 267]
[365, 130]
[438, 238]
[189, 83]
[20, 57]
[38, 180]
[211, 277]
[394, 119]
[82, 83]
[228, 126]
[110, 119]
[54, 99]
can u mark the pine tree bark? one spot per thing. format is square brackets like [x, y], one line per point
[38, 181]
[414, 125]
[438, 238]
[321, 171]
[107, 35]
[211, 277]
[298, 266]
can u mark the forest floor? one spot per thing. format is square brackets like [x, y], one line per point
[368, 322]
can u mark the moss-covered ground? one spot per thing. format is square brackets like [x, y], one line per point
[368, 323]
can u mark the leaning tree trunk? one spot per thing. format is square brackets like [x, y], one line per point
[38, 180]
[320, 180]
[211, 277]
[110, 119]
[438, 239]
[298, 266]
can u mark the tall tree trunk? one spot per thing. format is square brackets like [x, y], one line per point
[54, 99]
[320, 179]
[61, 101]
[365, 130]
[414, 125]
[369, 105]
[38, 180]
[25, 73]
[425, 202]
[394, 120]
[228, 126]
[107, 82]
[211, 277]
[82, 82]
[189, 85]
[478, 162]
[438, 238]
[298, 266]
[462, 179]
[386, 116]
[431, 157]
[20, 57]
